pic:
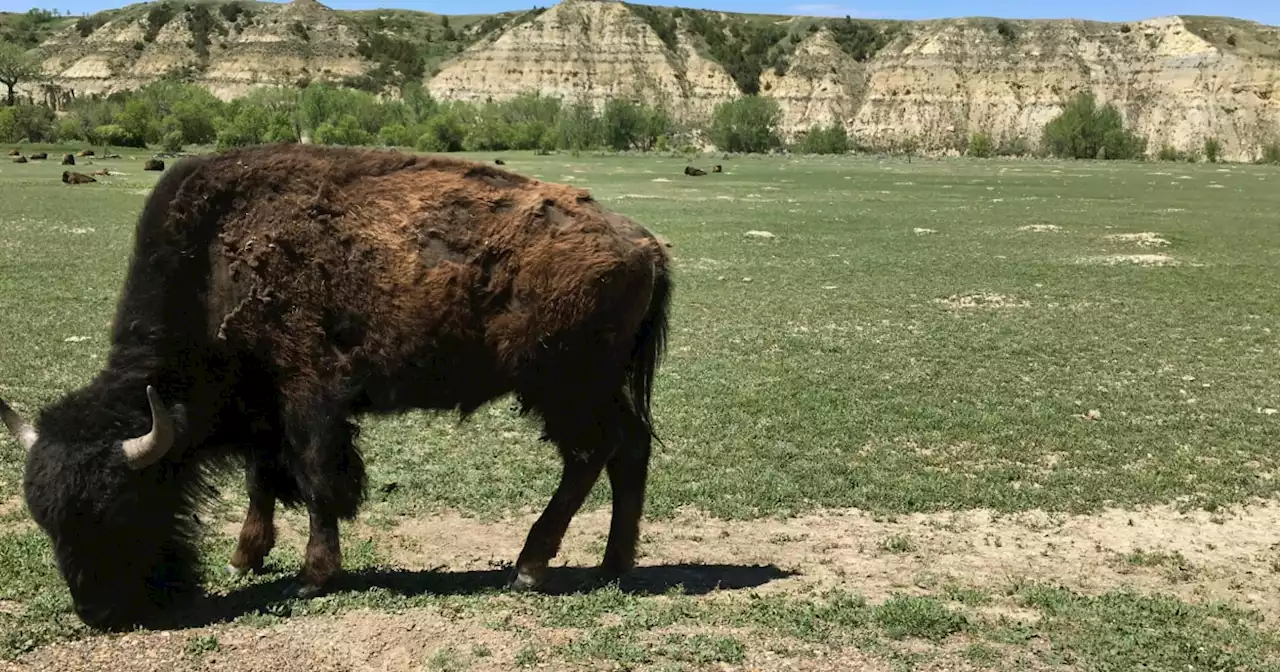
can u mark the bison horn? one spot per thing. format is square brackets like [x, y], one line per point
[143, 451]
[23, 432]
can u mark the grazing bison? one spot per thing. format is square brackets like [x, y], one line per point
[87, 152]
[717, 169]
[70, 177]
[69, 160]
[500, 162]
[277, 291]
[15, 152]
[20, 159]
[690, 170]
[153, 164]
[39, 156]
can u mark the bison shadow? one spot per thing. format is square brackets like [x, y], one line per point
[269, 597]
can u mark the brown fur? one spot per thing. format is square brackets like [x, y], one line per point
[153, 164]
[20, 159]
[15, 152]
[69, 177]
[87, 152]
[39, 156]
[694, 172]
[69, 160]
[717, 168]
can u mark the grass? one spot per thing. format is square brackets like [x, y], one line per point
[821, 368]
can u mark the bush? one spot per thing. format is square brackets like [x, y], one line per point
[1016, 146]
[1212, 150]
[173, 141]
[1168, 153]
[981, 146]
[30, 123]
[1085, 131]
[748, 124]
[824, 140]
[1270, 153]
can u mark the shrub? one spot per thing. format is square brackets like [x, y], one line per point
[831, 139]
[748, 124]
[981, 146]
[1085, 131]
[172, 141]
[1007, 31]
[1212, 150]
[1016, 146]
[1168, 153]
[1270, 153]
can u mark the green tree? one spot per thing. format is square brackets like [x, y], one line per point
[748, 124]
[1212, 150]
[1085, 131]
[831, 139]
[16, 67]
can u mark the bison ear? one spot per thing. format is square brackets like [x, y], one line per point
[146, 450]
[23, 432]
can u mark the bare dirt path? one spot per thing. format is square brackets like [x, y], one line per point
[1196, 556]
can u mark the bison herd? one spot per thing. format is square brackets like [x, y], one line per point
[275, 293]
[72, 177]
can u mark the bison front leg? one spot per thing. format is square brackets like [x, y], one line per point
[331, 479]
[258, 534]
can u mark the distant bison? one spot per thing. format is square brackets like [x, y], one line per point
[690, 170]
[39, 156]
[20, 159]
[500, 162]
[275, 293]
[717, 169]
[87, 152]
[70, 177]
[15, 152]
[153, 164]
[69, 160]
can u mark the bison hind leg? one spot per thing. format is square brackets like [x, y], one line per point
[592, 433]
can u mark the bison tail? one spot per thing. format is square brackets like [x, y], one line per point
[651, 343]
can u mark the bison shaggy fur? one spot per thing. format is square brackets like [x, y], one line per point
[69, 160]
[694, 172]
[153, 164]
[278, 292]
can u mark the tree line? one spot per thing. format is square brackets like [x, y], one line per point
[173, 114]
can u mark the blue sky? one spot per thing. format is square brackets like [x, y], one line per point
[1266, 11]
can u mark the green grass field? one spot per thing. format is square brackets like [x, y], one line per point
[949, 416]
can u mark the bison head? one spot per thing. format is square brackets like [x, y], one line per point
[111, 520]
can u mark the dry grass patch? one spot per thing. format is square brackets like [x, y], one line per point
[984, 300]
[1141, 239]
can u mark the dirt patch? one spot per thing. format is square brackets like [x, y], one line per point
[1142, 239]
[963, 301]
[1196, 556]
[1137, 259]
[921, 231]
[1230, 556]
[1041, 228]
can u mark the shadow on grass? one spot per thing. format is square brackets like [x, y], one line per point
[270, 596]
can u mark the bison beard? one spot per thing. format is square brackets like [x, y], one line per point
[276, 292]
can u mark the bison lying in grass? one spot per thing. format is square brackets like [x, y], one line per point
[276, 292]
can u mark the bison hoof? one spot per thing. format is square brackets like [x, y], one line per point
[302, 591]
[236, 572]
[527, 578]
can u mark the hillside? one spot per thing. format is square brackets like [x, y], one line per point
[1178, 79]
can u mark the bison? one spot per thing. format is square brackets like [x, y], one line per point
[70, 177]
[277, 292]
[717, 168]
[499, 162]
[15, 152]
[39, 156]
[69, 160]
[20, 159]
[86, 152]
[694, 172]
[153, 164]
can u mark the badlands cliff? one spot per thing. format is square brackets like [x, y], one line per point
[1177, 79]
